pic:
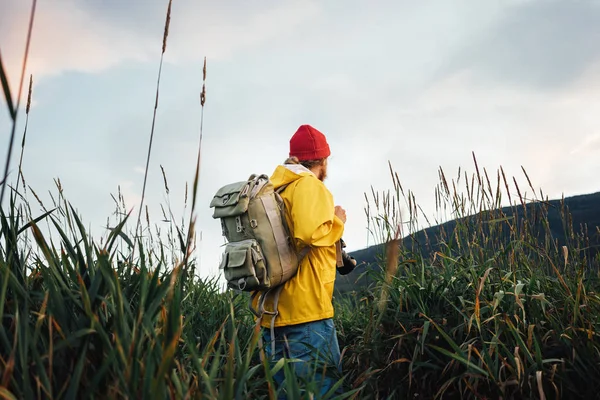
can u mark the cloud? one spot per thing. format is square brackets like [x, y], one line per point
[70, 35]
[591, 144]
[219, 32]
[554, 136]
[65, 37]
[540, 44]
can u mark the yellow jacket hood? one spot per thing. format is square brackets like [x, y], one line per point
[286, 174]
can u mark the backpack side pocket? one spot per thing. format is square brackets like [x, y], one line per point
[243, 266]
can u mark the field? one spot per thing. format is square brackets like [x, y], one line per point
[496, 307]
[484, 317]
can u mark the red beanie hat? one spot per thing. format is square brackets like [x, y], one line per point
[309, 144]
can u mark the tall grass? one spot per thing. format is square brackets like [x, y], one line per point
[162, 54]
[80, 320]
[493, 307]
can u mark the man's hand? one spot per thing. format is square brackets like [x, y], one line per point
[340, 213]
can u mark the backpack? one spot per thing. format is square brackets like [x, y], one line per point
[259, 254]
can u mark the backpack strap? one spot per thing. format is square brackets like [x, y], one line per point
[279, 229]
[261, 312]
[262, 297]
[275, 314]
[303, 253]
[281, 188]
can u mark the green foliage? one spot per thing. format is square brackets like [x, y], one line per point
[492, 304]
[498, 309]
[81, 320]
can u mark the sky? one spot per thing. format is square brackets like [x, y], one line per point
[419, 85]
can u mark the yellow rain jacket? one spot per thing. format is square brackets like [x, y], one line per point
[310, 215]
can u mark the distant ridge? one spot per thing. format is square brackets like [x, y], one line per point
[584, 210]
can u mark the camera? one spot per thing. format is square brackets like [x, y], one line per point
[349, 261]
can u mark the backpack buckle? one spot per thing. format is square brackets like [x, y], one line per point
[253, 223]
[238, 224]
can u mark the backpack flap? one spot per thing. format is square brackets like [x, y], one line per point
[231, 200]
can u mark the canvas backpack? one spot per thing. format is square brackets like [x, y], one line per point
[259, 255]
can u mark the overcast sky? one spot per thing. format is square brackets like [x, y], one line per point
[418, 84]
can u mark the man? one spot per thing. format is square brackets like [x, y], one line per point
[304, 326]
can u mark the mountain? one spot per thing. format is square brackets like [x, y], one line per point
[582, 211]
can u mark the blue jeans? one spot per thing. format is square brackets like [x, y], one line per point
[312, 342]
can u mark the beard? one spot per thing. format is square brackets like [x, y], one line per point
[322, 174]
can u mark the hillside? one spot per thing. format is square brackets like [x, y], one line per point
[583, 210]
